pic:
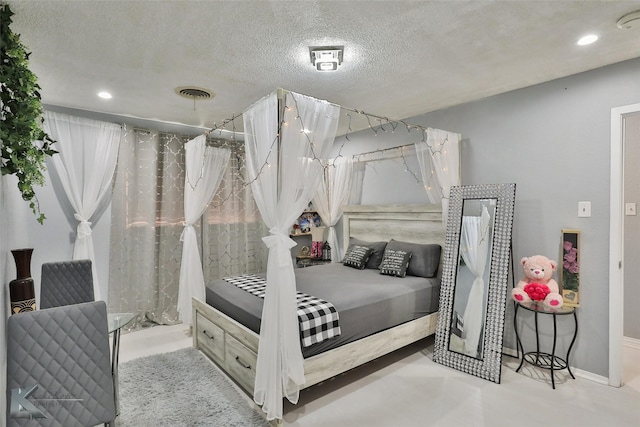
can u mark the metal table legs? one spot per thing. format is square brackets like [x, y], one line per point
[542, 359]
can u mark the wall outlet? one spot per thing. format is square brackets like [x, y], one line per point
[584, 209]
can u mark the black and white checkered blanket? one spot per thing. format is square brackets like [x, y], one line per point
[318, 318]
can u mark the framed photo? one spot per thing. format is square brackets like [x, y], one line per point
[570, 271]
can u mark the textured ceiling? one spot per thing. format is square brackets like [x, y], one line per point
[401, 59]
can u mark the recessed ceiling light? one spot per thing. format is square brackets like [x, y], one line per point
[587, 40]
[104, 95]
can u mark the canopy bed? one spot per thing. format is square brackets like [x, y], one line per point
[288, 138]
[234, 346]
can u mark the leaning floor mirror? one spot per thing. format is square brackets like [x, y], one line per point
[475, 276]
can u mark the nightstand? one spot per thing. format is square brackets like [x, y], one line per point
[307, 261]
[538, 358]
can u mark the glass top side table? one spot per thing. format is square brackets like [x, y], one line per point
[116, 322]
[538, 358]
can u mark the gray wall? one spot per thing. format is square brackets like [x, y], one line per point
[553, 141]
[632, 226]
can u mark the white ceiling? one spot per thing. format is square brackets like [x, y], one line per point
[401, 59]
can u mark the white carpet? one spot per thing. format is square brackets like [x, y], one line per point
[182, 388]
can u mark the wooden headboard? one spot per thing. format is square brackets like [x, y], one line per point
[408, 223]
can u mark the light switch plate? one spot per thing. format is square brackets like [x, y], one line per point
[584, 209]
[630, 209]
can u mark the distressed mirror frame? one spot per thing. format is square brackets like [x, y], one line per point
[490, 366]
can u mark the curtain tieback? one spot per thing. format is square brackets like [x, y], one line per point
[184, 230]
[282, 244]
[84, 226]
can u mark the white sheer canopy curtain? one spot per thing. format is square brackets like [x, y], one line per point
[439, 159]
[204, 169]
[334, 192]
[85, 163]
[474, 249]
[284, 175]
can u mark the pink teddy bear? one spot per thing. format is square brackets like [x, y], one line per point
[537, 285]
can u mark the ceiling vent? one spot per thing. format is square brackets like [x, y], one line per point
[193, 92]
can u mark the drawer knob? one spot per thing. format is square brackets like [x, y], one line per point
[211, 337]
[241, 362]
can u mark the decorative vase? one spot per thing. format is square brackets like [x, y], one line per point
[21, 290]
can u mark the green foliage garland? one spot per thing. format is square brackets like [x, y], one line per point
[24, 144]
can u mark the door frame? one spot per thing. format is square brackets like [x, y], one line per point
[616, 243]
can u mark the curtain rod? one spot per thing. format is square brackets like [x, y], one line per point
[280, 93]
[382, 150]
[210, 137]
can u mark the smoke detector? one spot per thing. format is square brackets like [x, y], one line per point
[195, 93]
[629, 20]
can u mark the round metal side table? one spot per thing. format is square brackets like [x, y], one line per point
[538, 358]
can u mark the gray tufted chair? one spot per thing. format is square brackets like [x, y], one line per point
[66, 283]
[58, 367]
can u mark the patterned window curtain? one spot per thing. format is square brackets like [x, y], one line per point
[147, 217]
[147, 221]
[233, 229]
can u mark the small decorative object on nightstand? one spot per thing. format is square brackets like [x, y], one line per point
[326, 252]
[306, 259]
[316, 249]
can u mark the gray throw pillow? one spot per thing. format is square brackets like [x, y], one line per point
[425, 258]
[395, 263]
[376, 255]
[357, 256]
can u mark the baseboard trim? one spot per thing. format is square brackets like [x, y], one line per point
[631, 342]
[590, 376]
[510, 352]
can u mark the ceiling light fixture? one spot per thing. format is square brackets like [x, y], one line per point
[104, 95]
[326, 58]
[591, 38]
[630, 20]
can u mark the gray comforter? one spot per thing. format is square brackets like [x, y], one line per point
[367, 301]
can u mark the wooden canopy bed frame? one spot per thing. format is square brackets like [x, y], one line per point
[234, 348]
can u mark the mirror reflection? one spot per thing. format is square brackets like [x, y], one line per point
[472, 277]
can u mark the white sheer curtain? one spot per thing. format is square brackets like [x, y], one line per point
[284, 176]
[205, 167]
[332, 195]
[474, 249]
[439, 159]
[86, 159]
